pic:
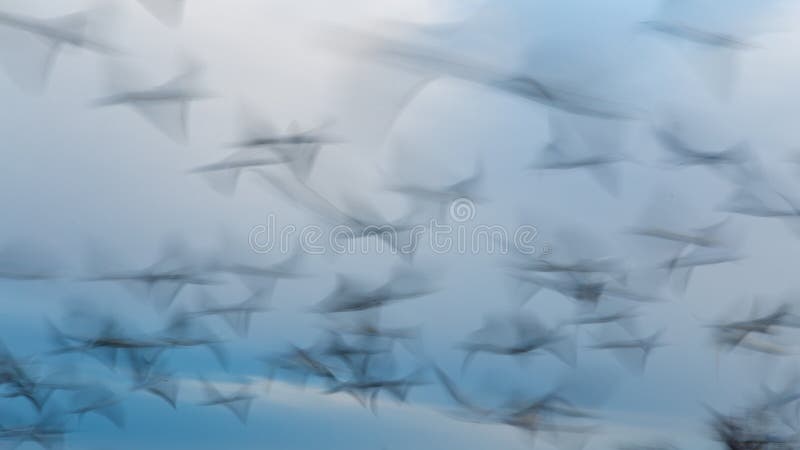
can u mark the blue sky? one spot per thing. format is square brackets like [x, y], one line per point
[79, 179]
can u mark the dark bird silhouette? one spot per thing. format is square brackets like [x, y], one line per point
[49, 431]
[223, 176]
[545, 414]
[585, 290]
[262, 279]
[238, 403]
[101, 401]
[569, 150]
[297, 148]
[366, 389]
[150, 375]
[17, 381]
[641, 348]
[749, 333]
[610, 266]
[350, 295]
[682, 266]
[355, 355]
[748, 431]
[301, 362]
[625, 319]
[713, 47]
[433, 62]
[105, 345]
[166, 106]
[697, 36]
[237, 316]
[163, 280]
[647, 446]
[368, 326]
[50, 37]
[709, 236]
[361, 220]
[755, 196]
[442, 197]
[681, 154]
[519, 335]
[161, 285]
[184, 333]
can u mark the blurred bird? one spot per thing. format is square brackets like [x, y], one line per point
[50, 37]
[25, 261]
[183, 333]
[169, 12]
[109, 341]
[238, 403]
[366, 389]
[518, 336]
[443, 197]
[166, 106]
[223, 176]
[541, 415]
[237, 316]
[297, 148]
[163, 280]
[642, 346]
[709, 236]
[569, 150]
[435, 62]
[101, 401]
[697, 36]
[49, 431]
[151, 376]
[17, 381]
[302, 362]
[350, 296]
[683, 155]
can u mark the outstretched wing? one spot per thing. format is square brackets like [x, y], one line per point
[170, 118]
[168, 12]
[27, 59]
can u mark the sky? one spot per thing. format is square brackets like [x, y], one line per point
[89, 188]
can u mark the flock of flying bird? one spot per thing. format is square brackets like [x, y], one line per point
[355, 353]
